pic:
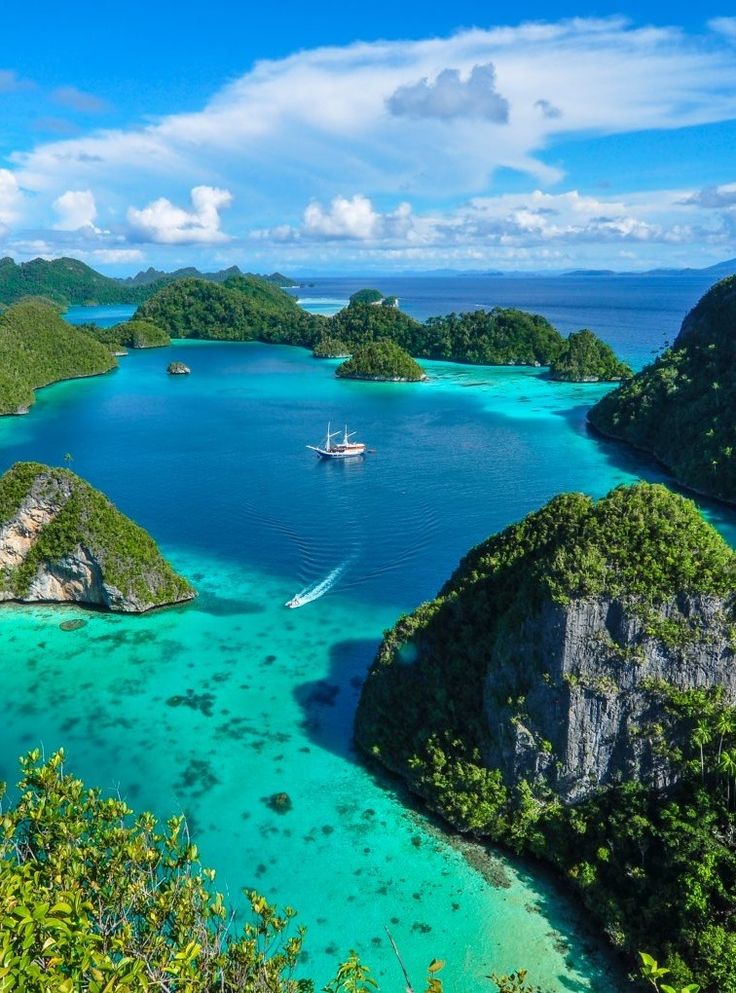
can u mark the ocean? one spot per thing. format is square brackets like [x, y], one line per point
[212, 707]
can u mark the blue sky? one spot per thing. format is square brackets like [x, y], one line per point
[397, 136]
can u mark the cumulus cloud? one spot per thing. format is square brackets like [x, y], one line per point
[163, 222]
[548, 109]
[714, 196]
[344, 219]
[79, 100]
[11, 198]
[75, 209]
[450, 97]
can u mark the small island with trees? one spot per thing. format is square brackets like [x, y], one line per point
[382, 362]
[584, 358]
[178, 369]
[62, 541]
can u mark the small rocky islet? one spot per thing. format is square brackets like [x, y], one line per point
[62, 541]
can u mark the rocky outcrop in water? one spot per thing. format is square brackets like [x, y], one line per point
[62, 541]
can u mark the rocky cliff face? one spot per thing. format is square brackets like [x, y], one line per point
[62, 541]
[547, 658]
[591, 715]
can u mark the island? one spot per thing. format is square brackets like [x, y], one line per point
[248, 308]
[373, 297]
[381, 362]
[243, 308]
[63, 541]
[37, 348]
[680, 408]
[570, 693]
[69, 282]
[584, 358]
[178, 369]
[331, 348]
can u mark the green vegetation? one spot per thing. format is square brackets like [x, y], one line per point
[244, 308]
[140, 334]
[331, 348]
[178, 369]
[97, 899]
[680, 408]
[37, 347]
[657, 871]
[586, 359]
[366, 296]
[79, 515]
[64, 281]
[492, 337]
[381, 360]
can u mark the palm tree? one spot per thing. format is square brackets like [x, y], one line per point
[701, 736]
[727, 765]
[724, 726]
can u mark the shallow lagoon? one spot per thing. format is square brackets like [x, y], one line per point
[213, 707]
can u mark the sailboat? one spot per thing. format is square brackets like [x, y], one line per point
[344, 449]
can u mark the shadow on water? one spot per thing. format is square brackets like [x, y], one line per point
[328, 705]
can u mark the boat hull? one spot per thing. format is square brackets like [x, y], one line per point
[323, 454]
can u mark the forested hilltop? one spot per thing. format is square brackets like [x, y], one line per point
[69, 282]
[38, 347]
[247, 307]
[681, 407]
[570, 693]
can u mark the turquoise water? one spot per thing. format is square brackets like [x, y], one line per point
[213, 707]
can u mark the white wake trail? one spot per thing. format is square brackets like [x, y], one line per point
[315, 590]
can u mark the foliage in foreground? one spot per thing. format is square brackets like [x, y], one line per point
[93, 899]
[656, 870]
[96, 899]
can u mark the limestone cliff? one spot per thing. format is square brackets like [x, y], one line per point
[63, 541]
[543, 658]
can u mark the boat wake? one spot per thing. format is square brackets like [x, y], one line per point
[318, 589]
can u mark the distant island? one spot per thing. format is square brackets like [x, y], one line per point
[37, 348]
[382, 361]
[69, 282]
[563, 695]
[62, 541]
[374, 297]
[680, 408]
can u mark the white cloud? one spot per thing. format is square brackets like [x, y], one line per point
[163, 222]
[75, 209]
[108, 256]
[724, 25]
[313, 123]
[345, 219]
[11, 198]
[450, 97]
